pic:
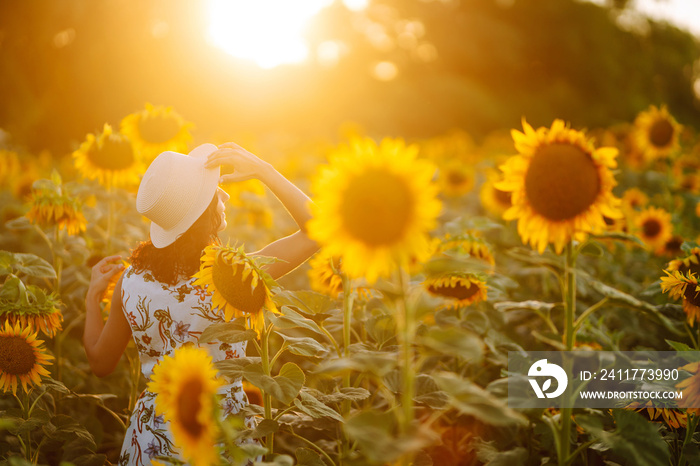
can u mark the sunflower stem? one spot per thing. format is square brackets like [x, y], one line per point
[57, 259]
[406, 332]
[28, 445]
[569, 339]
[267, 399]
[570, 297]
[347, 327]
[347, 318]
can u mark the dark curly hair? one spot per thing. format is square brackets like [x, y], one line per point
[181, 257]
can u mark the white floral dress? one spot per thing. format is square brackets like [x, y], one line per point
[162, 318]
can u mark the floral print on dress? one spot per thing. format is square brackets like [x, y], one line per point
[162, 318]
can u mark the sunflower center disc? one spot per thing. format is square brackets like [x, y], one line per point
[459, 292]
[158, 129]
[377, 207]
[16, 356]
[691, 295]
[238, 293]
[661, 132]
[673, 246]
[695, 268]
[651, 228]
[455, 178]
[562, 181]
[189, 404]
[115, 154]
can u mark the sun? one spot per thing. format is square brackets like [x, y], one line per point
[268, 32]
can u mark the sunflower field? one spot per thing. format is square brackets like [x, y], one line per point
[391, 344]
[440, 252]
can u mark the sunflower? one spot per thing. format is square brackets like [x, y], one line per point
[453, 146]
[374, 205]
[654, 227]
[494, 200]
[109, 158]
[455, 178]
[459, 289]
[674, 418]
[561, 185]
[324, 275]
[689, 263]
[155, 130]
[689, 182]
[185, 386]
[687, 163]
[468, 243]
[615, 224]
[691, 389]
[672, 247]
[238, 286]
[656, 133]
[683, 285]
[40, 313]
[22, 358]
[53, 208]
[634, 199]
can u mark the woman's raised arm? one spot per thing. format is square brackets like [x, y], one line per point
[294, 249]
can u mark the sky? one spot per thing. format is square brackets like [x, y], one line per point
[685, 14]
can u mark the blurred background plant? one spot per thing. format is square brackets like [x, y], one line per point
[390, 346]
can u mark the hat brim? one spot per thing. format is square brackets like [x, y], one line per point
[160, 237]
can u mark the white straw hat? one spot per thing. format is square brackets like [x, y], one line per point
[175, 191]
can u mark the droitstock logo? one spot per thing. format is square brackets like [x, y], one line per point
[542, 368]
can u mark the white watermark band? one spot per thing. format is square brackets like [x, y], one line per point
[603, 379]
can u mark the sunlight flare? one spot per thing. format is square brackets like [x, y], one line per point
[268, 32]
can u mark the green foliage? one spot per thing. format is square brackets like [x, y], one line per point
[633, 440]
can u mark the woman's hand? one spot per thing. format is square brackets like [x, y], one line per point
[102, 274]
[245, 165]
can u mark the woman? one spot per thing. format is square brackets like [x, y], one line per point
[154, 300]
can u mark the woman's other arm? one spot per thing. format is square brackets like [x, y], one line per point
[105, 343]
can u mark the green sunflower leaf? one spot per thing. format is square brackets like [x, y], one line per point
[303, 346]
[227, 332]
[289, 318]
[308, 404]
[27, 264]
[284, 387]
[470, 399]
[308, 457]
